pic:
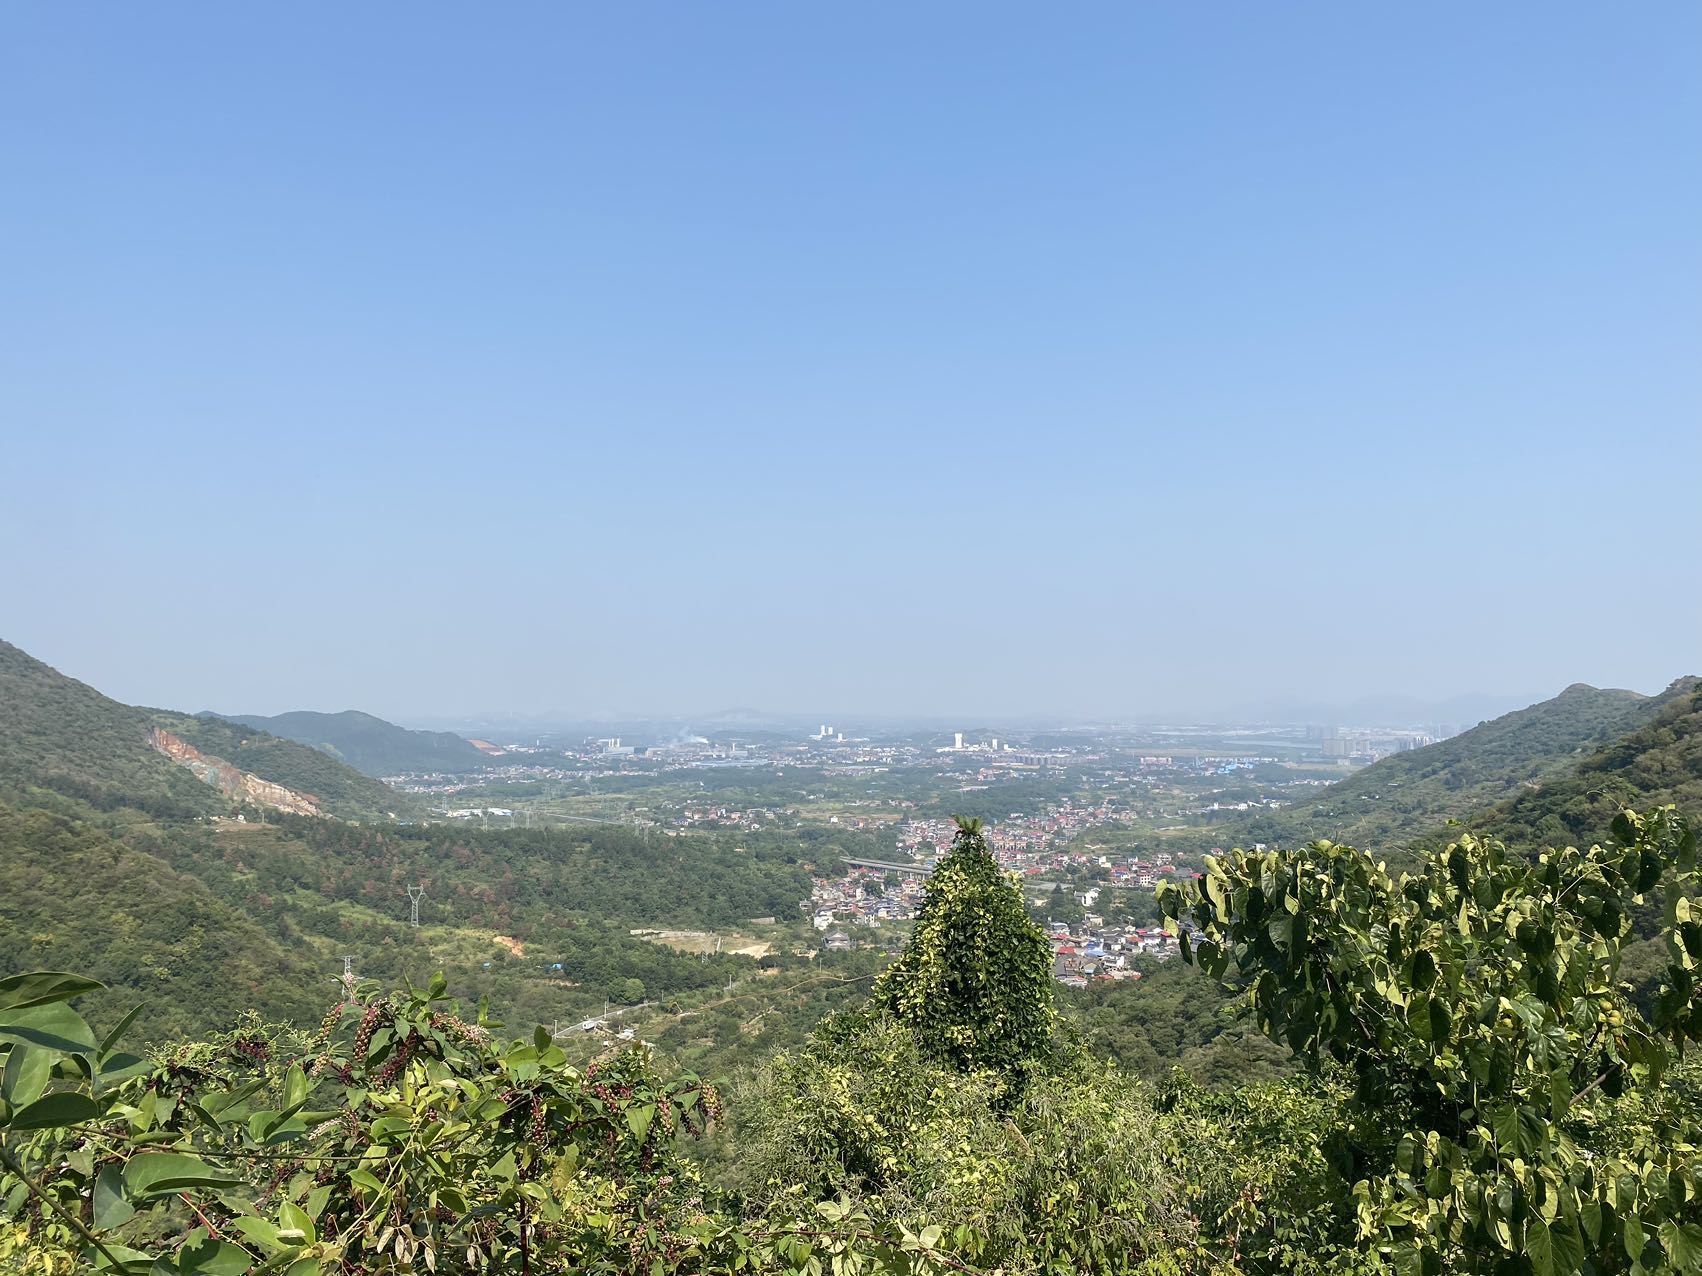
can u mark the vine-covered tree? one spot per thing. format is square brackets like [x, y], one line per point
[975, 982]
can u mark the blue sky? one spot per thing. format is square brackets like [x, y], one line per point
[1098, 360]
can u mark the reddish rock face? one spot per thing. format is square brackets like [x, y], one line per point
[239, 785]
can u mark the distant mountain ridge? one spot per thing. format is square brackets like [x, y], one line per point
[1409, 796]
[1658, 763]
[62, 739]
[369, 744]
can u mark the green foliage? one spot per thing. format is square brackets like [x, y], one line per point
[1073, 1177]
[975, 982]
[1477, 1010]
[1256, 1168]
[74, 896]
[1176, 1016]
[397, 1138]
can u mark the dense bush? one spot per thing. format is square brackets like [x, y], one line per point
[1073, 1176]
[1506, 1107]
[397, 1138]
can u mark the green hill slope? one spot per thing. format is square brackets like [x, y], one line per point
[110, 864]
[60, 738]
[74, 898]
[1660, 762]
[65, 745]
[341, 789]
[370, 744]
[1411, 795]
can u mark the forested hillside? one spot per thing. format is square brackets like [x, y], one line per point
[539, 920]
[1408, 796]
[62, 738]
[370, 745]
[513, 877]
[1660, 762]
[72, 896]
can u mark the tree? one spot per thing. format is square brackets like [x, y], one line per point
[975, 981]
[1508, 1111]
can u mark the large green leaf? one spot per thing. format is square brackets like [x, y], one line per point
[292, 1218]
[162, 1173]
[1683, 1245]
[110, 1207]
[54, 1110]
[41, 988]
[1516, 1130]
[213, 1258]
[261, 1231]
[132, 1262]
[1539, 1248]
[112, 1038]
[27, 1071]
[1429, 1019]
[1568, 1244]
[295, 1087]
[117, 1067]
[52, 1025]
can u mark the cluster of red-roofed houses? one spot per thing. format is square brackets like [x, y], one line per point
[1088, 952]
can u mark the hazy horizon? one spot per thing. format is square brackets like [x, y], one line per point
[1388, 708]
[1122, 363]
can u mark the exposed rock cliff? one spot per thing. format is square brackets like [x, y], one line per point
[235, 784]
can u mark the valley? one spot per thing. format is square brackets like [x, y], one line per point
[731, 907]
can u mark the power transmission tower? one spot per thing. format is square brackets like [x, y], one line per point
[415, 895]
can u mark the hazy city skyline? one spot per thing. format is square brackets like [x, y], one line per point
[1122, 363]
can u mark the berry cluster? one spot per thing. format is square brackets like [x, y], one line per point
[457, 1029]
[538, 1131]
[368, 1023]
[398, 1059]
